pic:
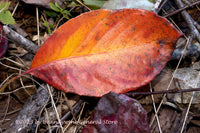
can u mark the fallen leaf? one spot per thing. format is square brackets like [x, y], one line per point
[193, 129]
[44, 3]
[13, 105]
[94, 4]
[3, 42]
[106, 50]
[186, 78]
[118, 114]
[121, 4]
[170, 120]
[5, 15]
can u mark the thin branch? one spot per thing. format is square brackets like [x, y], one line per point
[188, 19]
[4, 82]
[79, 117]
[159, 106]
[197, 25]
[30, 111]
[133, 94]
[76, 109]
[16, 63]
[154, 107]
[191, 99]
[7, 106]
[160, 6]
[54, 106]
[38, 26]
[181, 9]
[48, 121]
[83, 5]
[187, 2]
[15, 8]
[10, 92]
[20, 40]
[156, 5]
[14, 68]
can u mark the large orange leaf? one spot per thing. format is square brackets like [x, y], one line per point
[105, 50]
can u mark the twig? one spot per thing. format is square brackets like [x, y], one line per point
[15, 62]
[54, 106]
[48, 121]
[188, 19]
[186, 2]
[29, 112]
[62, 18]
[7, 106]
[193, 34]
[156, 5]
[133, 94]
[79, 117]
[5, 81]
[181, 9]
[83, 4]
[11, 112]
[70, 107]
[159, 106]
[14, 68]
[38, 26]
[15, 8]
[160, 6]
[178, 122]
[197, 25]
[20, 40]
[58, 23]
[68, 114]
[22, 84]
[193, 53]
[75, 110]
[154, 107]
[10, 92]
[191, 99]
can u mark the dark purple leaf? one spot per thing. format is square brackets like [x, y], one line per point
[118, 114]
[3, 42]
